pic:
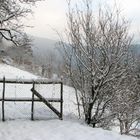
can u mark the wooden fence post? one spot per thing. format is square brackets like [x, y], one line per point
[32, 107]
[3, 96]
[61, 103]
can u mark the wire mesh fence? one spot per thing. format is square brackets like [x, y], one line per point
[18, 100]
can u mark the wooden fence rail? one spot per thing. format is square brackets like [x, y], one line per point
[39, 98]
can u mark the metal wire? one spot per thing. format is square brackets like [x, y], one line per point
[22, 110]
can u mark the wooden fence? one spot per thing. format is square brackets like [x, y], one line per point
[40, 98]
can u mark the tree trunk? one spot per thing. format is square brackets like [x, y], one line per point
[121, 126]
[88, 114]
[126, 127]
[94, 125]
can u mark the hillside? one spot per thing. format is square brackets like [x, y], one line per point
[46, 125]
[44, 49]
[12, 72]
[43, 46]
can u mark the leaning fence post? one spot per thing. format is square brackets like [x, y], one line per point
[32, 107]
[3, 96]
[61, 103]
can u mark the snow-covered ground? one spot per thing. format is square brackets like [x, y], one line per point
[46, 126]
[12, 72]
[54, 130]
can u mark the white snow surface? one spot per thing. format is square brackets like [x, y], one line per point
[46, 125]
[54, 130]
[12, 72]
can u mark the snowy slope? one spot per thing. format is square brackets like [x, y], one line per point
[47, 126]
[12, 72]
[23, 110]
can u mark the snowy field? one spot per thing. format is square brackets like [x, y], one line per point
[46, 126]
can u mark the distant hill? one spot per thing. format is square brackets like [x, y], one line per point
[44, 49]
[46, 53]
[42, 45]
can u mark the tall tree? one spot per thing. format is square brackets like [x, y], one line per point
[95, 56]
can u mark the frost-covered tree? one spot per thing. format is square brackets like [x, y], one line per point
[126, 104]
[14, 42]
[11, 14]
[95, 57]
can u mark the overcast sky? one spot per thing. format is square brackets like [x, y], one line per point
[51, 14]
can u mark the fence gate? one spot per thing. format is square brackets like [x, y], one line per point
[35, 97]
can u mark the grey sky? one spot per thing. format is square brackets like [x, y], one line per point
[52, 14]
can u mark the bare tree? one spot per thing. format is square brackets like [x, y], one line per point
[95, 57]
[11, 14]
[126, 101]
